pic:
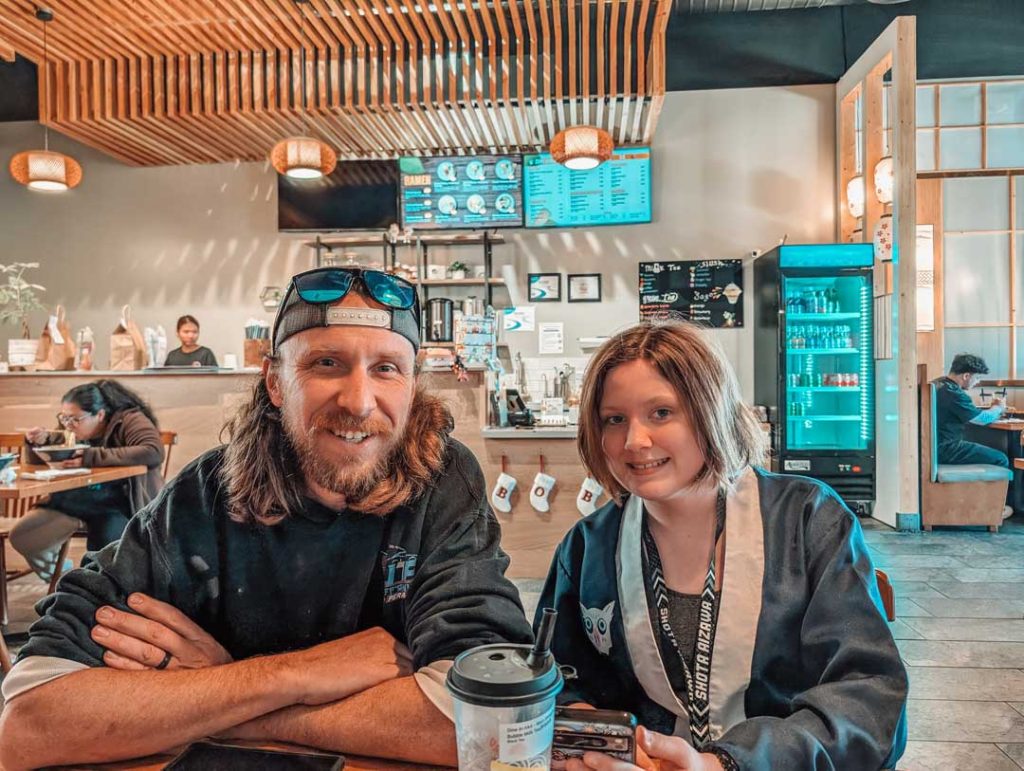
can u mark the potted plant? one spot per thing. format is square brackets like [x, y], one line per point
[458, 270]
[18, 298]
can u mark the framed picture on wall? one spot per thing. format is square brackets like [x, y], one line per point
[545, 287]
[584, 287]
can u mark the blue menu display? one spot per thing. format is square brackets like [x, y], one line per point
[481, 191]
[618, 192]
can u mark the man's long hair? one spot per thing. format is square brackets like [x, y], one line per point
[263, 475]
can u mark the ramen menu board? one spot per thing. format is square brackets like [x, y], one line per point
[707, 292]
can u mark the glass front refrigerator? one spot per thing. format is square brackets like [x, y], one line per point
[814, 365]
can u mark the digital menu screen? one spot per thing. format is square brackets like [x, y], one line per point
[618, 192]
[480, 191]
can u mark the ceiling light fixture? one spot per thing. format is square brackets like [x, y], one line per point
[303, 157]
[582, 147]
[45, 169]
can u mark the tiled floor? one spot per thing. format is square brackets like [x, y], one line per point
[960, 628]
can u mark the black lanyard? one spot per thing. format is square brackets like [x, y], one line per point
[697, 675]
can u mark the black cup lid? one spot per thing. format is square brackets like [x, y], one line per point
[498, 676]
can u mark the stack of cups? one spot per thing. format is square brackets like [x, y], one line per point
[504, 698]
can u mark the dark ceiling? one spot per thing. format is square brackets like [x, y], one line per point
[956, 39]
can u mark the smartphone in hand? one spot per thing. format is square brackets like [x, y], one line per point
[592, 730]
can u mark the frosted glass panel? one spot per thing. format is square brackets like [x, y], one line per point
[1006, 147]
[975, 278]
[925, 105]
[926, 150]
[960, 149]
[1019, 182]
[1005, 103]
[993, 345]
[960, 105]
[1019, 289]
[976, 203]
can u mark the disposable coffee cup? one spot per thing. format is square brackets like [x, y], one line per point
[504, 699]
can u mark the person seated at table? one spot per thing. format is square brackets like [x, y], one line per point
[308, 582]
[731, 607]
[954, 409]
[190, 353]
[121, 430]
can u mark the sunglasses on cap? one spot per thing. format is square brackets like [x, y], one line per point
[328, 285]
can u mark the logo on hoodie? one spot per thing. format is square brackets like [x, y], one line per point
[399, 568]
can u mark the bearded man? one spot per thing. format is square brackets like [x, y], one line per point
[308, 582]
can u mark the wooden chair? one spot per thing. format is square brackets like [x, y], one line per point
[5, 657]
[961, 494]
[888, 595]
[9, 514]
[168, 439]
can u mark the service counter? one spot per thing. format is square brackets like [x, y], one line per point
[197, 404]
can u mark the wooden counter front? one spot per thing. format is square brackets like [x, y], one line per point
[529, 536]
[197, 405]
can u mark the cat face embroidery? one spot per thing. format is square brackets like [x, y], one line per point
[598, 623]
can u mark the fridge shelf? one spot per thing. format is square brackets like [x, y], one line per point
[821, 351]
[826, 418]
[824, 389]
[822, 316]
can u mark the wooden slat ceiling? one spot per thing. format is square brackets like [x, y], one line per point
[155, 82]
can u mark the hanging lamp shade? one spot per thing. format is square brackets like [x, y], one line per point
[582, 147]
[855, 196]
[45, 170]
[884, 180]
[303, 158]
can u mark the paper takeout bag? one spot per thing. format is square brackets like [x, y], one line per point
[56, 350]
[127, 347]
[254, 351]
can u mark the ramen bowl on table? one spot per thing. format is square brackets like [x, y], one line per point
[54, 455]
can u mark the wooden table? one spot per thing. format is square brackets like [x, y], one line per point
[34, 488]
[352, 762]
[23, 489]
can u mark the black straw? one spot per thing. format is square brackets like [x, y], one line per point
[545, 633]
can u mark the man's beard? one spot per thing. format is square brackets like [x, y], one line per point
[353, 479]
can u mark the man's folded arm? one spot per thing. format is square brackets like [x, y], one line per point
[102, 714]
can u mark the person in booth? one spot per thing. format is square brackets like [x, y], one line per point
[735, 612]
[121, 430]
[190, 353]
[308, 582]
[954, 409]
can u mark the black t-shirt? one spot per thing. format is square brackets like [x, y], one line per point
[953, 410]
[431, 572]
[203, 355]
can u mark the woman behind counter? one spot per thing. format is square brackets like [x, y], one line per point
[122, 431]
[734, 608]
[190, 353]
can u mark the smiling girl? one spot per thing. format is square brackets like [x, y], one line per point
[733, 610]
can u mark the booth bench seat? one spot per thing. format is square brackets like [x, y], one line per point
[968, 494]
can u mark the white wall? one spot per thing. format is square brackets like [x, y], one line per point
[734, 171]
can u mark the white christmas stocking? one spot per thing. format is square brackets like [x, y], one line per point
[541, 491]
[501, 496]
[586, 500]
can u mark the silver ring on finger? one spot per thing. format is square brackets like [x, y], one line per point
[165, 661]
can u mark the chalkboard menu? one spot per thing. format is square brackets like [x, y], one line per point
[707, 292]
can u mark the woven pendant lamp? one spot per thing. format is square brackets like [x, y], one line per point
[581, 148]
[45, 169]
[303, 157]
